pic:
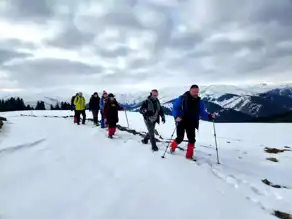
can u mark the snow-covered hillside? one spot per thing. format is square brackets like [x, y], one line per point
[51, 168]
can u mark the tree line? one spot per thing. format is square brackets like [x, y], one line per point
[17, 104]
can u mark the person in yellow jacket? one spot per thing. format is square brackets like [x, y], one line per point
[80, 106]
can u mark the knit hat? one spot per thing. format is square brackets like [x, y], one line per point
[111, 95]
[194, 86]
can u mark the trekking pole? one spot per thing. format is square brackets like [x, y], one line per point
[163, 156]
[216, 141]
[127, 119]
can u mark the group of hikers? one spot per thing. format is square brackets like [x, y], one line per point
[107, 105]
[187, 111]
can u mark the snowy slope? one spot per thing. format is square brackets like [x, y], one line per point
[50, 168]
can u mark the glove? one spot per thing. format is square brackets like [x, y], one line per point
[178, 119]
[163, 120]
[211, 116]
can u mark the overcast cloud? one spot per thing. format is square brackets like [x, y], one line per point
[113, 44]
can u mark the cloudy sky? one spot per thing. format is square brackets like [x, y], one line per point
[143, 44]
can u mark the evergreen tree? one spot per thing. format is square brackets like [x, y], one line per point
[40, 105]
[52, 107]
[57, 107]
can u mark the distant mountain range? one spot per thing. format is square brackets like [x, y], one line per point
[257, 103]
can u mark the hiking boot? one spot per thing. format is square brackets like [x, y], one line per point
[144, 141]
[155, 148]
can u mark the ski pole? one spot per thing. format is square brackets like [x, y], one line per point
[127, 119]
[163, 156]
[215, 137]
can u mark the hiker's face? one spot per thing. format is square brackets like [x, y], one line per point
[112, 99]
[104, 95]
[194, 92]
[95, 95]
[154, 94]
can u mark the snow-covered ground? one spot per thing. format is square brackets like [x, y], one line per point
[51, 168]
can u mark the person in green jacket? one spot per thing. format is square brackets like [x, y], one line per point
[80, 106]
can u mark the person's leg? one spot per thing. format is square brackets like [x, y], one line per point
[110, 130]
[102, 119]
[180, 132]
[97, 117]
[78, 116]
[191, 134]
[75, 117]
[152, 137]
[94, 116]
[83, 116]
[114, 129]
[147, 136]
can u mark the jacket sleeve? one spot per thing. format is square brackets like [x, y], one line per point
[143, 106]
[105, 110]
[98, 107]
[101, 103]
[176, 107]
[161, 112]
[76, 101]
[90, 104]
[203, 113]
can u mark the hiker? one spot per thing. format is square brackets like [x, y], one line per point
[73, 107]
[187, 110]
[80, 106]
[94, 107]
[151, 111]
[111, 114]
[102, 102]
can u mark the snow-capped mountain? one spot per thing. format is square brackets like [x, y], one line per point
[231, 103]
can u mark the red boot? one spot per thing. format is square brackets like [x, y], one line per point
[110, 132]
[114, 130]
[75, 119]
[190, 151]
[173, 146]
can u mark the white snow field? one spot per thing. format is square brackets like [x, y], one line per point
[53, 169]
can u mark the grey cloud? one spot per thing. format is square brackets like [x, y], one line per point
[119, 51]
[185, 41]
[70, 37]
[142, 63]
[37, 10]
[8, 55]
[268, 11]
[55, 67]
[13, 43]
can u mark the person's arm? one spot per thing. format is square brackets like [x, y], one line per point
[90, 104]
[177, 107]
[143, 108]
[105, 110]
[203, 113]
[98, 105]
[161, 113]
[101, 103]
[76, 101]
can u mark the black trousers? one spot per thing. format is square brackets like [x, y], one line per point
[189, 128]
[95, 116]
[78, 113]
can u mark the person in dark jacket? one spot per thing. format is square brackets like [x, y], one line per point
[73, 107]
[152, 111]
[111, 114]
[94, 107]
[187, 110]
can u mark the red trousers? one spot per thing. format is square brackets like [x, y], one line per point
[111, 131]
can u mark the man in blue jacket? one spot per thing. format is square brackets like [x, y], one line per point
[187, 110]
